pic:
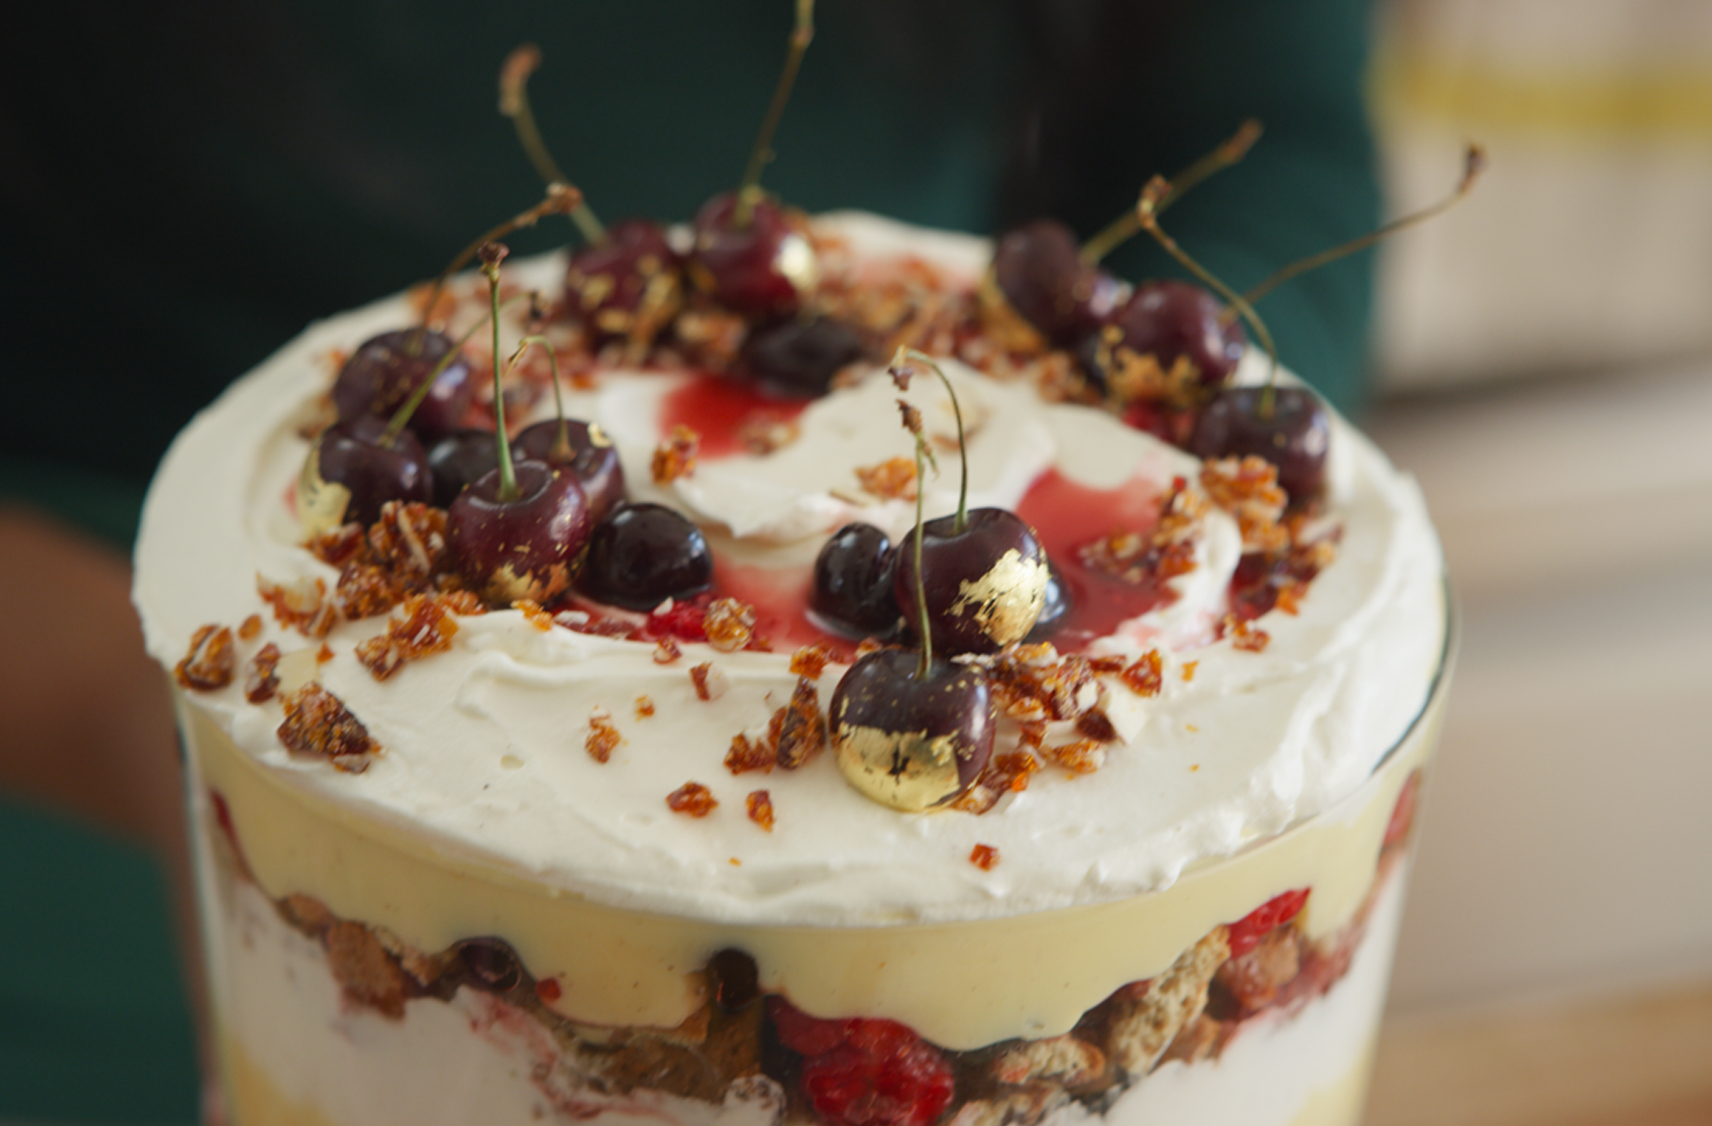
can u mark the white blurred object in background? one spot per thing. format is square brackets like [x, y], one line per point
[1568, 835]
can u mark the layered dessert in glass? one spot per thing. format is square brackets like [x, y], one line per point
[468, 858]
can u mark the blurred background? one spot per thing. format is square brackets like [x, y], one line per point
[1545, 363]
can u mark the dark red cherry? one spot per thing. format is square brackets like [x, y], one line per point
[1037, 268]
[491, 963]
[628, 285]
[1294, 436]
[1168, 320]
[906, 741]
[985, 585]
[796, 358]
[1055, 606]
[388, 369]
[734, 980]
[351, 454]
[505, 550]
[643, 554]
[459, 460]
[761, 269]
[589, 453]
[852, 590]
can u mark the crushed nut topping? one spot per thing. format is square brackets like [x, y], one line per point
[261, 676]
[746, 754]
[1034, 684]
[764, 432]
[602, 738]
[250, 628]
[302, 605]
[427, 626]
[1145, 677]
[675, 457]
[318, 723]
[801, 726]
[893, 479]
[692, 798]
[984, 856]
[759, 805]
[1096, 725]
[210, 662]
[1081, 756]
[1244, 636]
[710, 682]
[810, 660]
[667, 650]
[1248, 489]
[1189, 668]
[644, 707]
[1004, 774]
[534, 614]
[729, 624]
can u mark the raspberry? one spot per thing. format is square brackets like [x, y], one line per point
[864, 1072]
[1247, 931]
[1403, 814]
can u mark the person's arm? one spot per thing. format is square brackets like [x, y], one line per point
[88, 720]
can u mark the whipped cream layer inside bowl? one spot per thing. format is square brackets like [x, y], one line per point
[484, 757]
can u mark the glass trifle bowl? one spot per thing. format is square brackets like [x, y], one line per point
[465, 859]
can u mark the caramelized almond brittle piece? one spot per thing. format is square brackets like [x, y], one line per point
[729, 624]
[301, 605]
[692, 798]
[1248, 489]
[426, 627]
[602, 738]
[261, 675]
[748, 754]
[211, 661]
[1080, 756]
[810, 661]
[1145, 677]
[759, 806]
[801, 726]
[984, 856]
[318, 723]
[892, 479]
[250, 628]
[675, 456]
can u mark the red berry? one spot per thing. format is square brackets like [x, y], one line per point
[865, 1072]
[1403, 814]
[1247, 931]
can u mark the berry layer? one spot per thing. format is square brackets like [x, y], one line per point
[308, 1042]
[960, 985]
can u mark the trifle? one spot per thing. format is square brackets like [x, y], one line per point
[602, 838]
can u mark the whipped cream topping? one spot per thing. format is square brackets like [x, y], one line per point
[484, 745]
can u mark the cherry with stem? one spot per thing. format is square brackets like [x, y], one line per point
[912, 733]
[582, 447]
[514, 104]
[981, 575]
[748, 254]
[517, 532]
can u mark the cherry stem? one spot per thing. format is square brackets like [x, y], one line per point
[561, 199]
[562, 446]
[492, 254]
[1128, 225]
[749, 190]
[1474, 162]
[514, 103]
[962, 521]
[401, 417]
[923, 623]
[1146, 210]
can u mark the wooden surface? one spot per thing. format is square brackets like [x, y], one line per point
[1644, 1061]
